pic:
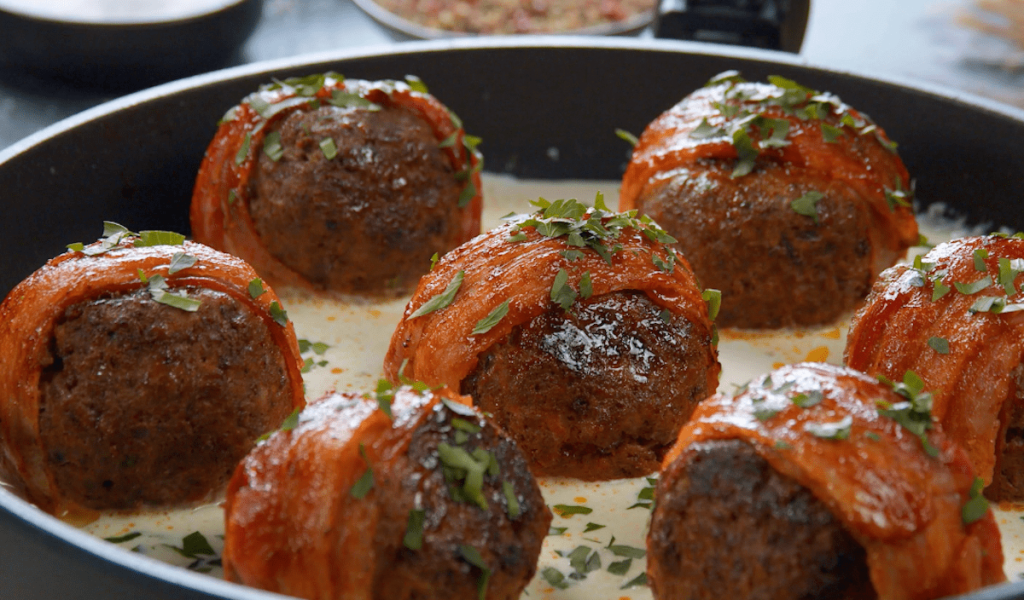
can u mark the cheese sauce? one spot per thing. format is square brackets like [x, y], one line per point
[596, 547]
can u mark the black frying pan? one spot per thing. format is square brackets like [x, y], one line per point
[134, 161]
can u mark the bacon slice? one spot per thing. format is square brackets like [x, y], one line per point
[857, 159]
[440, 347]
[892, 334]
[220, 206]
[902, 505]
[30, 312]
[296, 524]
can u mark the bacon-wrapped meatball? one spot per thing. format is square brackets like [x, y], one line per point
[335, 185]
[404, 494]
[580, 330]
[818, 481]
[787, 200]
[954, 319]
[138, 371]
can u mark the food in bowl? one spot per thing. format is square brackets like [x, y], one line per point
[814, 482]
[402, 493]
[499, 17]
[580, 329]
[953, 317]
[137, 371]
[339, 186]
[784, 198]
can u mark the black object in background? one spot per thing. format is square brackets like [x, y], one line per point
[125, 56]
[771, 24]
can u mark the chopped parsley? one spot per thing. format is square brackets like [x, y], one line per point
[807, 205]
[278, 314]
[160, 292]
[938, 344]
[811, 398]
[441, 300]
[472, 556]
[914, 414]
[511, 502]
[493, 318]
[565, 510]
[562, 293]
[364, 484]
[713, 298]
[256, 288]
[554, 578]
[461, 465]
[181, 261]
[839, 430]
[329, 149]
[621, 567]
[976, 505]
[413, 538]
[743, 117]
[639, 580]
[631, 139]
[272, 146]
[592, 527]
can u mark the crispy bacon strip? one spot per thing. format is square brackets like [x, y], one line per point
[891, 333]
[859, 160]
[30, 312]
[295, 524]
[440, 348]
[902, 505]
[220, 204]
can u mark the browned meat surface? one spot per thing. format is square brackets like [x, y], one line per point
[296, 522]
[596, 393]
[438, 570]
[775, 267]
[148, 404]
[727, 525]
[367, 219]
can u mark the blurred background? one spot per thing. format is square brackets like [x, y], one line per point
[967, 45]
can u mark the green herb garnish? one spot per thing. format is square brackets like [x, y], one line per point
[914, 414]
[976, 506]
[839, 430]
[807, 205]
[493, 318]
[628, 137]
[938, 344]
[365, 483]
[565, 510]
[472, 556]
[413, 538]
[441, 300]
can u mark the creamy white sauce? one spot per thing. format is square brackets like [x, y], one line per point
[358, 336]
[115, 11]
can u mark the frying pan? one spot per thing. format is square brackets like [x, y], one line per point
[134, 161]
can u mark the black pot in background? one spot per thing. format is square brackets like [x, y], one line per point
[125, 56]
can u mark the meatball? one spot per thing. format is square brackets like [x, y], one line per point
[140, 376]
[612, 360]
[339, 186]
[740, 529]
[817, 481]
[401, 494]
[581, 331]
[953, 318]
[785, 199]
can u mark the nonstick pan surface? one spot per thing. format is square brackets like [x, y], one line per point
[546, 107]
